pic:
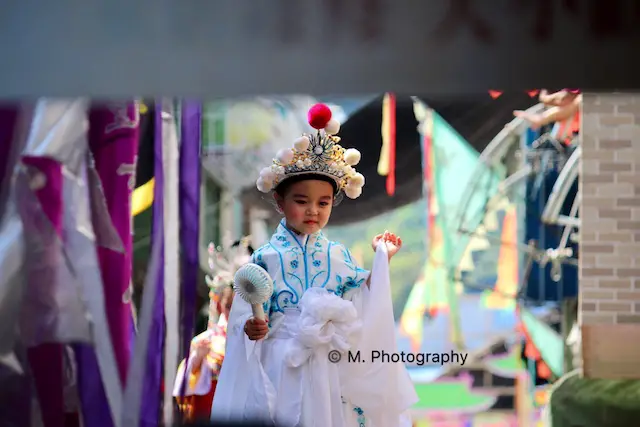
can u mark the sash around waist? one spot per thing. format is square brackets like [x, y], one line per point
[286, 325]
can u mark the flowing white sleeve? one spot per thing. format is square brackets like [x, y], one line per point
[233, 386]
[383, 390]
[242, 390]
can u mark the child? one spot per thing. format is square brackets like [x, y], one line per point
[299, 366]
[208, 348]
[564, 112]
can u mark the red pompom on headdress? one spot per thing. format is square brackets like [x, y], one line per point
[319, 115]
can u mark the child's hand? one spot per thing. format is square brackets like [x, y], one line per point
[393, 242]
[202, 348]
[535, 120]
[256, 329]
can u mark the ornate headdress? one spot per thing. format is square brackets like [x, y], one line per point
[223, 263]
[316, 154]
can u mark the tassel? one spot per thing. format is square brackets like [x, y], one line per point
[391, 177]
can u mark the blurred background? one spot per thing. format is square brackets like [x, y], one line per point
[466, 185]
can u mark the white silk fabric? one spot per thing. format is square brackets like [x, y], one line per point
[287, 378]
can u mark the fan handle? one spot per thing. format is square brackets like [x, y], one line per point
[258, 311]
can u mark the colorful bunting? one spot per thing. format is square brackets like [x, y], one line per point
[495, 94]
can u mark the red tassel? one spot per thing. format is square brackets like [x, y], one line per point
[533, 93]
[495, 94]
[531, 352]
[543, 370]
[391, 177]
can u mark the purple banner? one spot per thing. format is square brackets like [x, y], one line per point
[113, 139]
[153, 384]
[189, 216]
[46, 360]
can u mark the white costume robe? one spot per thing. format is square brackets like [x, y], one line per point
[320, 307]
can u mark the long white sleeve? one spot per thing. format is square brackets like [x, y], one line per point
[383, 390]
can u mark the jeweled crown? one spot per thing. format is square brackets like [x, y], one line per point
[318, 154]
[224, 262]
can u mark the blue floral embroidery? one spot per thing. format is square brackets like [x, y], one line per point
[257, 258]
[298, 264]
[352, 284]
[361, 419]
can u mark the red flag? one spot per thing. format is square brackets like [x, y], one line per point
[387, 164]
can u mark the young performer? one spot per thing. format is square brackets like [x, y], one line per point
[300, 366]
[208, 348]
[563, 111]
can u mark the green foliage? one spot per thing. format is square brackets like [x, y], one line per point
[408, 222]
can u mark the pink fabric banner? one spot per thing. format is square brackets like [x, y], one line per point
[113, 140]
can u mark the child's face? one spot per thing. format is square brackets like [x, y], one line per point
[307, 205]
[224, 306]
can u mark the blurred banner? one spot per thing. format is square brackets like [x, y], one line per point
[239, 137]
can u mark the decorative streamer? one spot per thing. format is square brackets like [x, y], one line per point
[189, 217]
[8, 124]
[52, 312]
[113, 143]
[16, 393]
[502, 297]
[143, 194]
[438, 127]
[12, 244]
[387, 162]
[412, 318]
[113, 140]
[134, 406]
[171, 221]
[46, 359]
[152, 382]
[58, 132]
[100, 392]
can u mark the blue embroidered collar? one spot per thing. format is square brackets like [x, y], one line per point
[285, 234]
